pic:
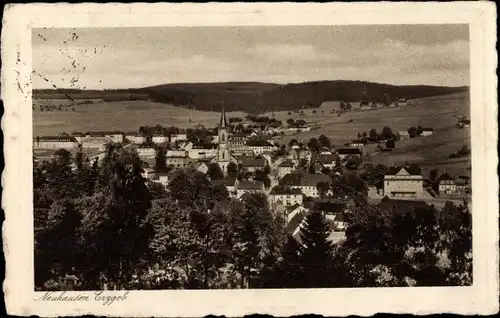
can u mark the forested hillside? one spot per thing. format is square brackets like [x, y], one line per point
[253, 97]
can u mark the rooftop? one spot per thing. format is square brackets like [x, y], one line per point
[298, 179]
[446, 177]
[294, 223]
[281, 190]
[258, 143]
[250, 185]
[349, 151]
[227, 181]
[327, 159]
[57, 138]
[252, 161]
[402, 205]
[286, 164]
[330, 207]
[413, 170]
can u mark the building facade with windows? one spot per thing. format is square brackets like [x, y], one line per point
[403, 182]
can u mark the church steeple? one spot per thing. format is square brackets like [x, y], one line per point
[223, 123]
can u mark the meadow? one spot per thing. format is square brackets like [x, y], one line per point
[435, 112]
[124, 116]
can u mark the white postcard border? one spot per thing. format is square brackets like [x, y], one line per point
[481, 298]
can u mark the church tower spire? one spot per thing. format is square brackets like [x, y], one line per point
[223, 123]
[223, 155]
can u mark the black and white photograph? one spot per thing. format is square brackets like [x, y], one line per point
[252, 157]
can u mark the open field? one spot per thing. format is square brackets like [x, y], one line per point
[435, 112]
[430, 152]
[124, 116]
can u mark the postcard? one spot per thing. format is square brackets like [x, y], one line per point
[230, 159]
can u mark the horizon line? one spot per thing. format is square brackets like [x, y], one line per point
[255, 82]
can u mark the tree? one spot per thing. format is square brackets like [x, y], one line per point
[324, 142]
[289, 272]
[293, 142]
[353, 162]
[316, 252]
[413, 132]
[375, 174]
[323, 188]
[232, 170]
[156, 189]
[312, 168]
[214, 172]
[373, 135]
[313, 144]
[290, 121]
[390, 143]
[160, 159]
[386, 133]
[263, 177]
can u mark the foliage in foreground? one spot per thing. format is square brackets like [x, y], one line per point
[104, 225]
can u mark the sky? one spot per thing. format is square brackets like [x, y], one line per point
[110, 58]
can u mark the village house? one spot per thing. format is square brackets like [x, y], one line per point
[55, 142]
[238, 140]
[365, 105]
[178, 161]
[243, 151]
[178, 137]
[112, 136]
[404, 135]
[176, 153]
[333, 211]
[259, 146]
[285, 168]
[201, 166]
[200, 151]
[146, 150]
[135, 137]
[327, 161]
[252, 163]
[159, 138]
[288, 196]
[447, 184]
[343, 153]
[163, 178]
[463, 185]
[357, 143]
[115, 136]
[295, 224]
[148, 174]
[404, 181]
[78, 136]
[292, 210]
[305, 182]
[95, 141]
[427, 132]
[248, 187]
[231, 184]
[304, 154]
[402, 101]
[464, 123]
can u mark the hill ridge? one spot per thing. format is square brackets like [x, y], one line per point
[257, 97]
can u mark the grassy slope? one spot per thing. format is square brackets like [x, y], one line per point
[431, 152]
[125, 116]
[436, 112]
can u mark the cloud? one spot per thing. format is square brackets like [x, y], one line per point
[290, 52]
[142, 57]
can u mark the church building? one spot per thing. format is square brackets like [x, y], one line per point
[224, 157]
